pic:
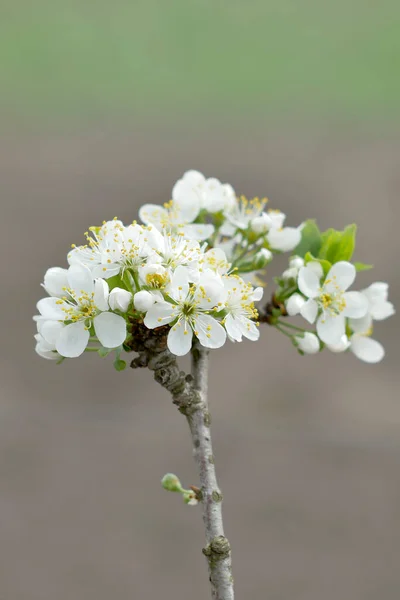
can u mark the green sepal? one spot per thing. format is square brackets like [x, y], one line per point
[325, 264]
[116, 281]
[104, 351]
[311, 239]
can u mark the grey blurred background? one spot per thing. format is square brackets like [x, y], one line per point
[307, 448]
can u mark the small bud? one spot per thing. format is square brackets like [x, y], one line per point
[290, 274]
[143, 300]
[189, 497]
[308, 343]
[296, 262]
[294, 304]
[171, 483]
[261, 224]
[119, 299]
[262, 258]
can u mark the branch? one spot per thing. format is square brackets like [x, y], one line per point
[189, 393]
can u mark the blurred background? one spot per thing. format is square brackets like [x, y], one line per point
[103, 106]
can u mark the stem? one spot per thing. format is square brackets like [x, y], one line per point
[189, 393]
[217, 550]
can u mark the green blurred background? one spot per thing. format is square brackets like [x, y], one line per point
[187, 61]
[103, 106]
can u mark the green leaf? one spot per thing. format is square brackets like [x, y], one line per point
[116, 281]
[119, 365]
[325, 264]
[362, 267]
[310, 239]
[338, 245]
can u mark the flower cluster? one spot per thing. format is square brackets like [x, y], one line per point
[192, 266]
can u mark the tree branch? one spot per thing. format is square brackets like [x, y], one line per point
[189, 393]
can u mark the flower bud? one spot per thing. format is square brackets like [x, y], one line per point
[143, 300]
[290, 274]
[262, 258]
[119, 299]
[294, 304]
[171, 483]
[308, 343]
[189, 497]
[296, 262]
[261, 224]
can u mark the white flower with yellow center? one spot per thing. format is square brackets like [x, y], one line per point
[215, 260]
[113, 248]
[177, 217]
[190, 311]
[65, 322]
[330, 303]
[172, 250]
[242, 213]
[241, 314]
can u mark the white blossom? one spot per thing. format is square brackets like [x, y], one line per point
[65, 322]
[241, 313]
[330, 303]
[190, 311]
[114, 248]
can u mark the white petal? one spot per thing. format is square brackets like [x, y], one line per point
[195, 178]
[55, 280]
[330, 328]
[80, 279]
[249, 329]
[72, 340]
[308, 282]
[161, 313]
[377, 291]
[341, 274]
[50, 330]
[356, 305]
[186, 197]
[153, 213]
[233, 329]
[257, 294]
[209, 332]
[101, 294]
[341, 346]
[180, 338]
[106, 271]
[198, 232]
[367, 349]
[110, 329]
[309, 310]
[179, 286]
[284, 239]
[294, 304]
[382, 310]
[315, 266]
[362, 325]
[210, 290]
[50, 308]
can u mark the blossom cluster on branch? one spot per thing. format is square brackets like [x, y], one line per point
[196, 264]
